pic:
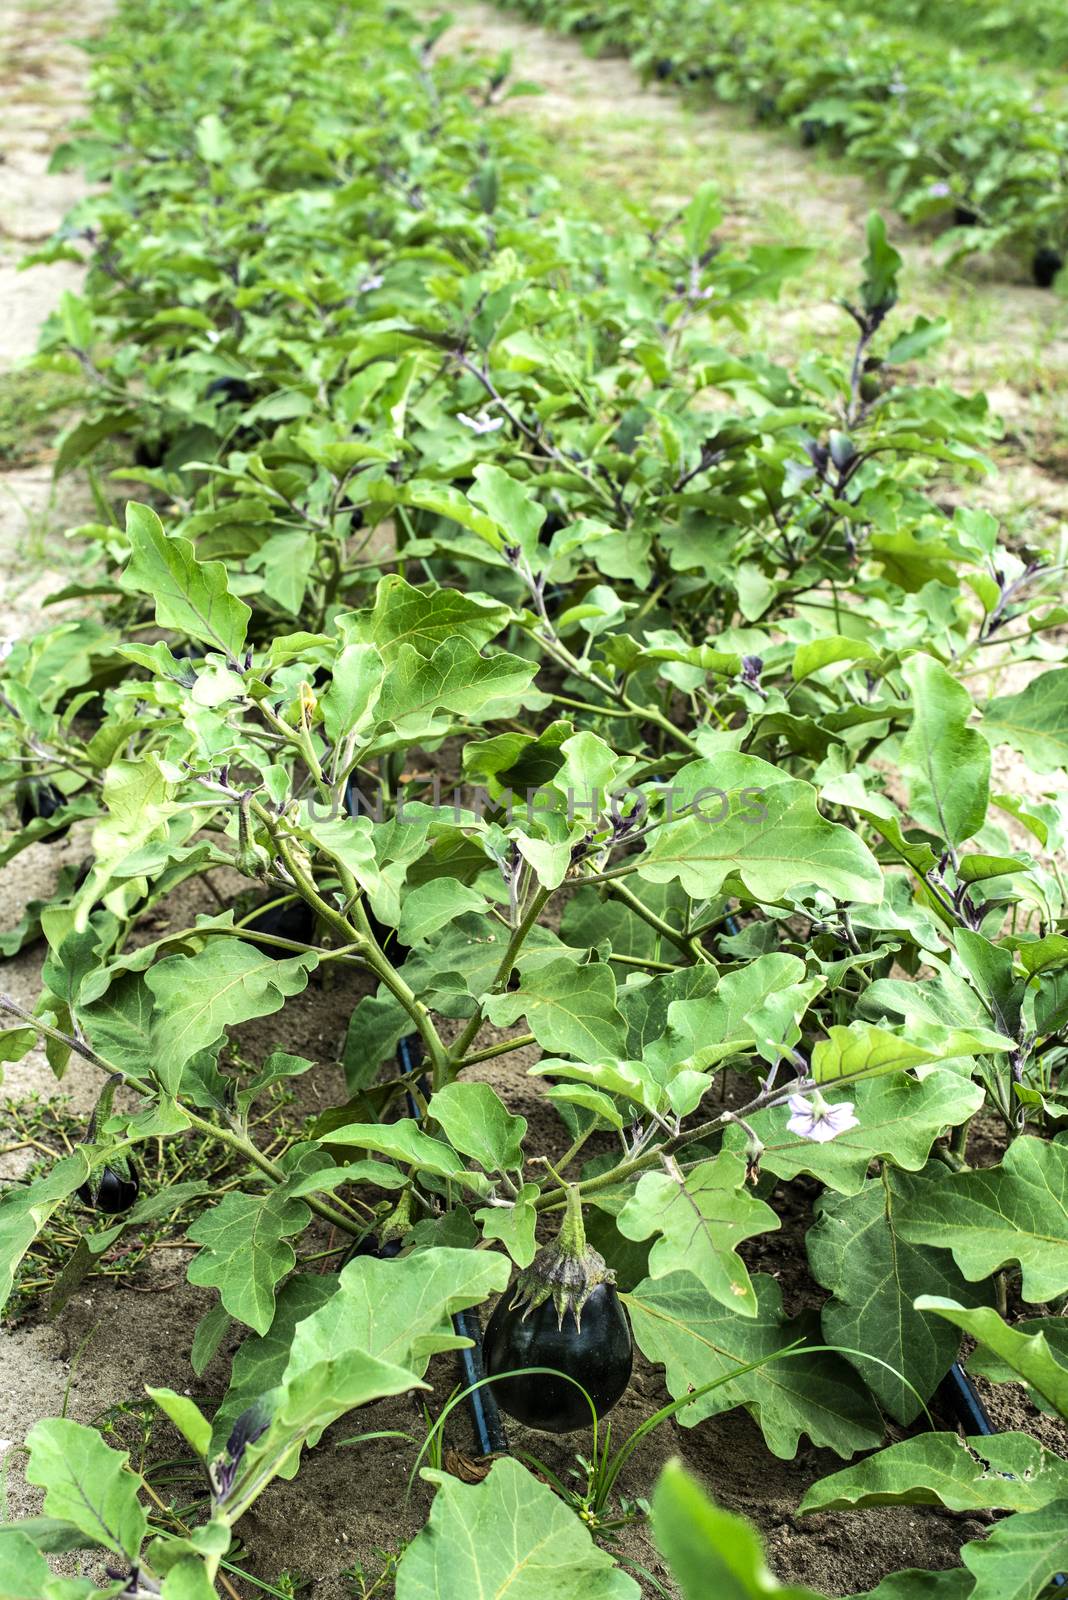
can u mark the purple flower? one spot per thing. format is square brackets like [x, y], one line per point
[939, 191]
[812, 1118]
[481, 423]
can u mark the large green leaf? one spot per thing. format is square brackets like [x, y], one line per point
[455, 678]
[198, 997]
[24, 1210]
[1022, 1555]
[946, 762]
[711, 1552]
[774, 844]
[1014, 1212]
[476, 1122]
[245, 1251]
[854, 1249]
[1027, 1354]
[569, 1008]
[87, 1484]
[862, 1050]
[404, 1141]
[423, 618]
[261, 1359]
[676, 1322]
[991, 1472]
[1035, 721]
[997, 1369]
[189, 595]
[701, 1218]
[898, 1118]
[507, 1538]
[376, 1334]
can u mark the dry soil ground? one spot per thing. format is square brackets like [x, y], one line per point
[606, 137]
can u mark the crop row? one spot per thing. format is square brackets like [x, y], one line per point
[953, 137]
[438, 480]
[1037, 34]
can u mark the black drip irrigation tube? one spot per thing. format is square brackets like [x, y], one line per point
[489, 1434]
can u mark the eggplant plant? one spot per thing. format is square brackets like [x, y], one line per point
[947, 124]
[634, 751]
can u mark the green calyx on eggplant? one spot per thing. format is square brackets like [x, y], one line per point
[112, 1189]
[562, 1313]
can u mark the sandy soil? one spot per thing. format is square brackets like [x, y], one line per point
[118, 1335]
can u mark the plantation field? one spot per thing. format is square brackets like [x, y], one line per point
[462, 415]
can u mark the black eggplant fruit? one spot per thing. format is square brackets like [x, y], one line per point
[1046, 265]
[294, 921]
[812, 131]
[112, 1190]
[235, 389]
[37, 798]
[965, 217]
[562, 1312]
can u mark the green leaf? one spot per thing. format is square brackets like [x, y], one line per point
[348, 705]
[431, 906]
[25, 1571]
[1014, 1212]
[25, 1209]
[198, 997]
[424, 618]
[854, 1249]
[818, 653]
[1021, 1556]
[376, 1334]
[477, 1123]
[1026, 1354]
[774, 838]
[569, 1008]
[710, 1552]
[509, 1536]
[899, 1119]
[996, 1369]
[701, 1218]
[864, 1051]
[245, 1251]
[189, 595]
[261, 1359]
[676, 1322]
[86, 1483]
[511, 505]
[946, 762]
[514, 1225]
[1035, 721]
[991, 1472]
[187, 1417]
[403, 1141]
[455, 678]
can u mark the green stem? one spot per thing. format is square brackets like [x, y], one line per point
[571, 1240]
[688, 946]
[226, 1136]
[467, 1037]
[491, 1051]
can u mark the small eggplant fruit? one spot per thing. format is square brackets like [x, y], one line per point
[812, 131]
[562, 1312]
[35, 798]
[965, 217]
[112, 1190]
[226, 389]
[1046, 265]
[294, 921]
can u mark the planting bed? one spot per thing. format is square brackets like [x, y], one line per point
[396, 470]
